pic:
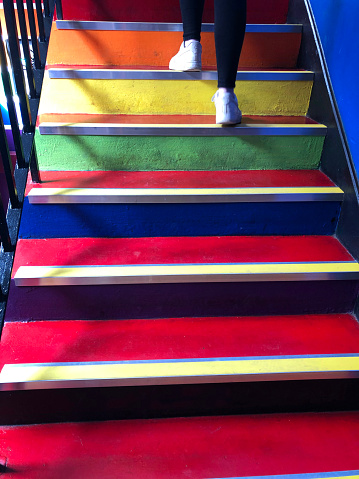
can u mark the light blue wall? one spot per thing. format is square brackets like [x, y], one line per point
[3, 106]
[338, 25]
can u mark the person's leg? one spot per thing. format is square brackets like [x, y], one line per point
[230, 26]
[192, 11]
[189, 56]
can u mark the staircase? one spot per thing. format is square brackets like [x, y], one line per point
[179, 303]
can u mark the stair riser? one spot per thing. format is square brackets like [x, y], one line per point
[180, 300]
[170, 401]
[136, 220]
[259, 11]
[138, 49]
[131, 153]
[172, 97]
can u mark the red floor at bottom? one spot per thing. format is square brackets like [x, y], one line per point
[206, 447]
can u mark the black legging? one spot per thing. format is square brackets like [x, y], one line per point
[229, 29]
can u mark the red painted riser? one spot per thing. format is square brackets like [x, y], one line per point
[177, 250]
[180, 179]
[202, 447]
[258, 11]
[67, 341]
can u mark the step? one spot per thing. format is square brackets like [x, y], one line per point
[178, 351]
[278, 446]
[180, 203]
[139, 44]
[259, 11]
[174, 125]
[169, 27]
[269, 95]
[165, 74]
[105, 142]
[180, 276]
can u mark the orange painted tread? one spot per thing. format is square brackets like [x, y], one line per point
[131, 48]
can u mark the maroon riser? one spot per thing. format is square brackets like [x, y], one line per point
[258, 11]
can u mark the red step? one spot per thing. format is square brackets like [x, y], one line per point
[178, 250]
[258, 11]
[130, 340]
[181, 179]
[199, 447]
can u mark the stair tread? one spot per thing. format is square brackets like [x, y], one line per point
[217, 446]
[169, 26]
[178, 338]
[181, 179]
[166, 74]
[178, 250]
[153, 68]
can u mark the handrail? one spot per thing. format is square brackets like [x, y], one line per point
[22, 62]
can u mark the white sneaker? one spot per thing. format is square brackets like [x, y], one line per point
[188, 59]
[227, 111]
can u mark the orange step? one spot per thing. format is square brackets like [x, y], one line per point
[141, 49]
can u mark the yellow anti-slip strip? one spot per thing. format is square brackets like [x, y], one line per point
[182, 191]
[170, 97]
[184, 273]
[158, 372]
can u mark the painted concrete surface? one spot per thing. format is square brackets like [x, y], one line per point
[143, 220]
[259, 11]
[178, 338]
[185, 300]
[172, 97]
[56, 152]
[155, 49]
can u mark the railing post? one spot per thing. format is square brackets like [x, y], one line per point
[5, 75]
[40, 20]
[59, 13]
[33, 33]
[47, 8]
[25, 48]
[16, 65]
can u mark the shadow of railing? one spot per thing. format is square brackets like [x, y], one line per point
[24, 29]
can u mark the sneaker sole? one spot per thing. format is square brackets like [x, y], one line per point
[228, 122]
[187, 69]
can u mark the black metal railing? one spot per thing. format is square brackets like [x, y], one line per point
[23, 48]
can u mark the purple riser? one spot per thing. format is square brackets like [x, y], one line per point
[10, 140]
[179, 300]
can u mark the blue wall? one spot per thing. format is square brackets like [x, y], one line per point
[3, 106]
[337, 22]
